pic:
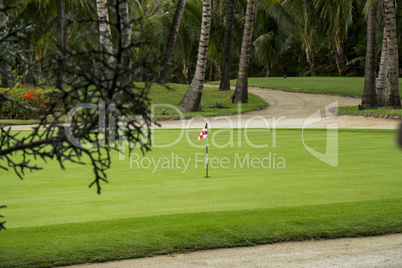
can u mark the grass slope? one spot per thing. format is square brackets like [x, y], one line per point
[348, 86]
[54, 219]
[98, 241]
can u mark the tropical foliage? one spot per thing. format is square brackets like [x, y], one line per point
[292, 37]
[287, 37]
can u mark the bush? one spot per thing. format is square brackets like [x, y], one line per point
[33, 98]
[202, 107]
[219, 105]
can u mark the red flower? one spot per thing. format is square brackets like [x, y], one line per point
[43, 105]
[29, 96]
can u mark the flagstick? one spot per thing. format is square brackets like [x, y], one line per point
[206, 153]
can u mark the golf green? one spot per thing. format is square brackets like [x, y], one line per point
[248, 170]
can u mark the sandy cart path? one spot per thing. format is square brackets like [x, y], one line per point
[286, 110]
[291, 110]
[380, 251]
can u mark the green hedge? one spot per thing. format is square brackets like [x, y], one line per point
[33, 98]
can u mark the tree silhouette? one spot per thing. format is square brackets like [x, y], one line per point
[89, 116]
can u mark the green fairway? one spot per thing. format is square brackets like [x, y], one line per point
[348, 86]
[162, 203]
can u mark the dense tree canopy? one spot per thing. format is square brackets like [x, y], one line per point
[292, 37]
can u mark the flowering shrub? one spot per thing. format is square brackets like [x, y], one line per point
[34, 98]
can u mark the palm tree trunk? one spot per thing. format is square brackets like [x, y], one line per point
[241, 91]
[5, 82]
[382, 74]
[105, 37]
[227, 47]
[125, 26]
[310, 55]
[192, 99]
[369, 100]
[66, 42]
[2, 14]
[60, 42]
[394, 100]
[125, 32]
[123, 50]
[67, 30]
[171, 42]
[185, 72]
[339, 56]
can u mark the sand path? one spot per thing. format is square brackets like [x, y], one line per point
[380, 251]
[286, 110]
[291, 110]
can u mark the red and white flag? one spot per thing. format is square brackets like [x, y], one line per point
[203, 133]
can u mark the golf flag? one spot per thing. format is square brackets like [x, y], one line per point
[203, 133]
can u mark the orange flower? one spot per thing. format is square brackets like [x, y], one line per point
[29, 96]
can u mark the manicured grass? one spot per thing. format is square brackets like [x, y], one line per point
[348, 86]
[165, 98]
[210, 96]
[15, 122]
[54, 219]
[99, 241]
[381, 110]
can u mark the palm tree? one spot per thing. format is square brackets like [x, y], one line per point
[171, 42]
[216, 41]
[300, 18]
[125, 36]
[44, 14]
[105, 34]
[241, 91]
[369, 100]
[227, 47]
[192, 98]
[5, 83]
[270, 42]
[394, 100]
[125, 23]
[2, 14]
[381, 87]
[188, 42]
[105, 38]
[339, 15]
[60, 41]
